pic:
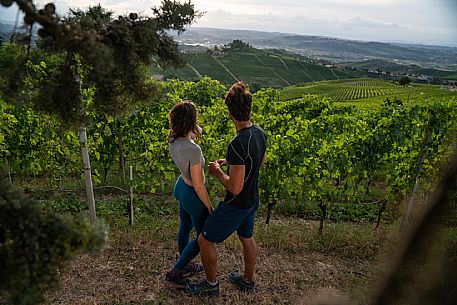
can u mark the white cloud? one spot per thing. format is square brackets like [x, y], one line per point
[357, 27]
[409, 20]
[358, 22]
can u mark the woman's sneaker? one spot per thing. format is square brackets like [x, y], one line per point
[203, 289]
[241, 283]
[192, 269]
[176, 278]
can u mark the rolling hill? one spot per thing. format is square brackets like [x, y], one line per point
[259, 68]
[379, 64]
[334, 49]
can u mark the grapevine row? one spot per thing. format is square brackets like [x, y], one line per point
[317, 153]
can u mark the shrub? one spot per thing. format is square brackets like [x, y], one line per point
[35, 245]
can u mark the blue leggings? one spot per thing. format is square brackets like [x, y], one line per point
[192, 214]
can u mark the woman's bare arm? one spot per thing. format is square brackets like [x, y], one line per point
[198, 182]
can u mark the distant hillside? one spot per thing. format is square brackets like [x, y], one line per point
[378, 64]
[330, 48]
[256, 67]
[5, 31]
[384, 65]
[368, 92]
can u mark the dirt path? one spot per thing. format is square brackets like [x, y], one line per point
[285, 66]
[333, 72]
[131, 271]
[225, 68]
[306, 73]
[272, 70]
[195, 70]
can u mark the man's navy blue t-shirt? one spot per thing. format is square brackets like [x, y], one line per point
[247, 148]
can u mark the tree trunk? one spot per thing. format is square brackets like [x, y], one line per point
[409, 207]
[8, 169]
[423, 234]
[367, 188]
[271, 205]
[381, 210]
[323, 208]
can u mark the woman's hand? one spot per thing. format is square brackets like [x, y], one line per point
[210, 208]
[198, 183]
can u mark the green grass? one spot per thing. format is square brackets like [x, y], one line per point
[294, 260]
[158, 215]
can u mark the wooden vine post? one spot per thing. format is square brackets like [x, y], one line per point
[86, 161]
[130, 206]
[87, 174]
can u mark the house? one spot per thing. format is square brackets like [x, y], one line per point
[216, 52]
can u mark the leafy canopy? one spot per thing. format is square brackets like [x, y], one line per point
[111, 55]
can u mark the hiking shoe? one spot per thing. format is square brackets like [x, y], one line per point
[241, 283]
[202, 289]
[176, 278]
[192, 268]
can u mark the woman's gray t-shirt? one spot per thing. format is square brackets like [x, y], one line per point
[186, 153]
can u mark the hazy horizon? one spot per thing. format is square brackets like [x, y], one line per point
[397, 21]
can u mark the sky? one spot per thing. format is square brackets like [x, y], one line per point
[412, 21]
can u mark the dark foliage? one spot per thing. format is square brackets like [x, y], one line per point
[108, 54]
[404, 80]
[35, 245]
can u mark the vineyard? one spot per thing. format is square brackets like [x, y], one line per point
[364, 91]
[318, 154]
[253, 66]
[324, 162]
[361, 90]
[87, 210]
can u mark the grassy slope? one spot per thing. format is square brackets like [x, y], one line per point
[254, 66]
[294, 261]
[295, 264]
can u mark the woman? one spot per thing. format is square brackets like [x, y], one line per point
[190, 190]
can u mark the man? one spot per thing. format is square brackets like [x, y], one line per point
[245, 155]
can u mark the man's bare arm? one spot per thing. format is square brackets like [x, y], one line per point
[234, 181]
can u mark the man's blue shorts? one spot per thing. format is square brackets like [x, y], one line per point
[227, 218]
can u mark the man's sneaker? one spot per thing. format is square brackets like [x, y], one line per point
[176, 278]
[241, 283]
[192, 269]
[202, 289]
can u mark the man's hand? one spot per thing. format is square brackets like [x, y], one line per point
[214, 168]
[233, 181]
